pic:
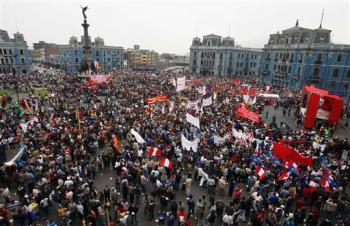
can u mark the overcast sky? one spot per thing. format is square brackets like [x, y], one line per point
[169, 25]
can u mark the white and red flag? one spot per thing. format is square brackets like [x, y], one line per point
[283, 176]
[260, 172]
[154, 152]
[166, 163]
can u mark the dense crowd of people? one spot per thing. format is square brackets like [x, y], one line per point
[66, 138]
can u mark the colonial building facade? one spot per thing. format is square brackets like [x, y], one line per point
[14, 54]
[105, 58]
[216, 56]
[300, 56]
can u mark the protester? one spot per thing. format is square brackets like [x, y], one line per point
[167, 149]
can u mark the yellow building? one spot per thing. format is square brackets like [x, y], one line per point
[141, 57]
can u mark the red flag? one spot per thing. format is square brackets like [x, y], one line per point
[243, 91]
[260, 172]
[252, 92]
[283, 176]
[166, 163]
[245, 113]
[288, 154]
[24, 104]
[154, 152]
[157, 99]
[116, 143]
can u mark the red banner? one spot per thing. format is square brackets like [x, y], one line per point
[157, 99]
[288, 154]
[245, 113]
[311, 112]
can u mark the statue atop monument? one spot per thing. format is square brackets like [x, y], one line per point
[84, 10]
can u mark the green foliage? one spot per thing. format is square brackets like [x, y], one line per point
[4, 92]
[41, 92]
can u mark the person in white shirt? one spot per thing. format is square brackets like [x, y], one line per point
[227, 219]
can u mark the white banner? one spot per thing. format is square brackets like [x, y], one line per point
[192, 104]
[24, 126]
[249, 100]
[193, 120]
[181, 84]
[239, 134]
[268, 95]
[221, 140]
[316, 146]
[137, 136]
[187, 145]
[207, 102]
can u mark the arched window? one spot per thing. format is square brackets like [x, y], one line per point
[339, 58]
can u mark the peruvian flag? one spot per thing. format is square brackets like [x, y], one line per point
[166, 163]
[154, 152]
[260, 172]
[283, 176]
[313, 185]
[24, 104]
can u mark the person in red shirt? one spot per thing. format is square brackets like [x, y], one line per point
[237, 196]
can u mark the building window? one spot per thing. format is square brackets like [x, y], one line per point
[289, 69]
[316, 72]
[76, 60]
[319, 57]
[348, 75]
[346, 87]
[76, 52]
[339, 58]
[335, 72]
[237, 64]
[10, 51]
[322, 37]
[21, 52]
[22, 61]
[1, 51]
[5, 52]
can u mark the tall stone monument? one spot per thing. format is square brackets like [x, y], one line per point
[86, 63]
